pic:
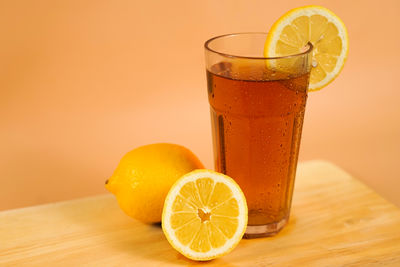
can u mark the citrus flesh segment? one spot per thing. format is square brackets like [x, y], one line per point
[323, 29]
[204, 215]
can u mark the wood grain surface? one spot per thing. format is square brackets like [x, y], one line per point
[335, 221]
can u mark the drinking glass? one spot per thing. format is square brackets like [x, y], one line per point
[257, 107]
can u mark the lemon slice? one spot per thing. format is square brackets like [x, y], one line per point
[318, 25]
[204, 215]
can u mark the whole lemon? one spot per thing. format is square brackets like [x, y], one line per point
[145, 175]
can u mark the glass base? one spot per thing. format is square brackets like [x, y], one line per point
[255, 231]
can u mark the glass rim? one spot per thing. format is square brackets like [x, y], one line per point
[208, 48]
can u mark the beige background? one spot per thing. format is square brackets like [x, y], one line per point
[83, 82]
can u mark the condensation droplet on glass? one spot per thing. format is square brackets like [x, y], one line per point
[314, 63]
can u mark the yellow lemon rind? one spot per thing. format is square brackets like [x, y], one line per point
[144, 176]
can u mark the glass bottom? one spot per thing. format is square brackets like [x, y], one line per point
[256, 231]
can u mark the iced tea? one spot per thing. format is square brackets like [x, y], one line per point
[257, 109]
[257, 117]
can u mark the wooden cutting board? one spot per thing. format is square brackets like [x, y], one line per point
[335, 221]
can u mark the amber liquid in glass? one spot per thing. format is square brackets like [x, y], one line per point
[257, 117]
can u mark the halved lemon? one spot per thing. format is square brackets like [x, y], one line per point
[318, 25]
[204, 215]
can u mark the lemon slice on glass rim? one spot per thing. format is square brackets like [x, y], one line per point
[204, 215]
[323, 29]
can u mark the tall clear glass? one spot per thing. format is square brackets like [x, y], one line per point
[257, 107]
